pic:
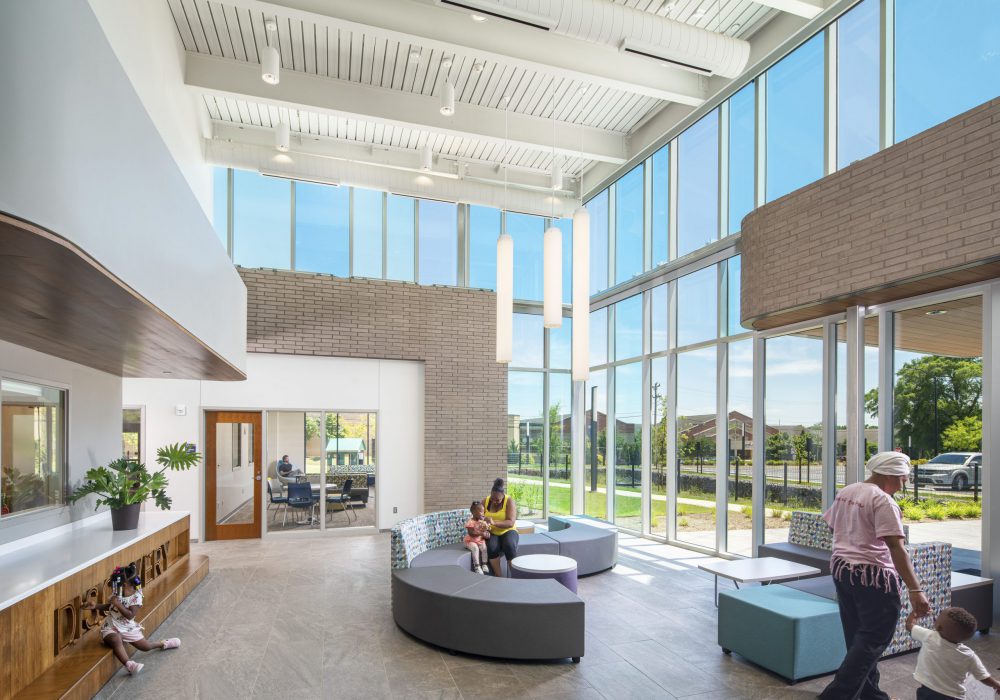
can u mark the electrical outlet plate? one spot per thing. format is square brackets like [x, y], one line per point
[395, 509]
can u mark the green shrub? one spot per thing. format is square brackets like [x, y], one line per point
[786, 515]
[747, 511]
[972, 510]
[935, 511]
[912, 512]
[683, 522]
[954, 509]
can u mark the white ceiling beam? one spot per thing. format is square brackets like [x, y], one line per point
[342, 98]
[800, 8]
[452, 32]
[312, 167]
[389, 158]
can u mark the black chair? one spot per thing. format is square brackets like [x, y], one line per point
[299, 496]
[275, 500]
[344, 499]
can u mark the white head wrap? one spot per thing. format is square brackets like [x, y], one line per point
[889, 463]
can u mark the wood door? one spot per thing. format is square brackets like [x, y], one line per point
[233, 468]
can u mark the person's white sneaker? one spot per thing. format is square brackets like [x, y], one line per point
[133, 667]
[171, 643]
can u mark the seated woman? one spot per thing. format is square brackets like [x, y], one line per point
[501, 514]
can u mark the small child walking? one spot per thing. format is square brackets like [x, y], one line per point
[120, 625]
[477, 531]
[944, 660]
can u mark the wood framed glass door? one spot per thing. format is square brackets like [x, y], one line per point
[232, 475]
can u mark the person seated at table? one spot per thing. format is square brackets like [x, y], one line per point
[287, 469]
[501, 514]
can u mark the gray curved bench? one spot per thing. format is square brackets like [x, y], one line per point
[436, 597]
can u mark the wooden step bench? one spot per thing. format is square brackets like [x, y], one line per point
[84, 668]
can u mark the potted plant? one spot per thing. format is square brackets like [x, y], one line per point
[124, 484]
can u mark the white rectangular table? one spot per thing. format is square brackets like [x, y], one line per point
[759, 570]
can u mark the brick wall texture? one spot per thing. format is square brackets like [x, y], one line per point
[919, 216]
[452, 331]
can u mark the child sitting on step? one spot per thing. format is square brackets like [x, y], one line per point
[120, 625]
[944, 660]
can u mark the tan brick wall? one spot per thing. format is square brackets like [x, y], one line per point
[920, 216]
[452, 331]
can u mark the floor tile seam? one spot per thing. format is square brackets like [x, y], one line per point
[649, 678]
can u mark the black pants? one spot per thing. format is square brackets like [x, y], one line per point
[924, 693]
[506, 543]
[869, 616]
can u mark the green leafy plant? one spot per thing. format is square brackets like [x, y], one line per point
[125, 482]
[954, 509]
[935, 511]
[912, 512]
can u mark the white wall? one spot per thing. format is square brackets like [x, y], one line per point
[81, 156]
[393, 389]
[144, 37]
[94, 422]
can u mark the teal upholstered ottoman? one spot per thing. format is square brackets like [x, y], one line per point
[795, 634]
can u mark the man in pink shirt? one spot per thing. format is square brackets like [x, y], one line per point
[868, 561]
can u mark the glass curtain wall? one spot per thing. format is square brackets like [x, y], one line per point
[539, 416]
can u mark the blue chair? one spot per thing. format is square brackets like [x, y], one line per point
[344, 499]
[299, 496]
[275, 500]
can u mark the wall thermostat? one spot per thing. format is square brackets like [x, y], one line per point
[180, 410]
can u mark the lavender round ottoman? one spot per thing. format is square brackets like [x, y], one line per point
[562, 569]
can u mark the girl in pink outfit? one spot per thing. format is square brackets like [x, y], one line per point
[120, 625]
[477, 530]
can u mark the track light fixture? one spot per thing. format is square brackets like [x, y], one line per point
[270, 61]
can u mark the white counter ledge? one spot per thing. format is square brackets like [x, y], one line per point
[33, 563]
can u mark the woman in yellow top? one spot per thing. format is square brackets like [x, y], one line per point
[501, 514]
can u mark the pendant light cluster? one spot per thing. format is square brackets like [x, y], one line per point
[552, 254]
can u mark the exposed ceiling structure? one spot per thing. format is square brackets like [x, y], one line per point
[362, 85]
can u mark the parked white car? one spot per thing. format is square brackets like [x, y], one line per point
[955, 469]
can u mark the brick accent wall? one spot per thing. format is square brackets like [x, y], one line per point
[921, 216]
[452, 331]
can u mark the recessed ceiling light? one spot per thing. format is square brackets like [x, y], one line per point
[271, 25]
[414, 55]
[446, 63]
[478, 18]
[736, 27]
[668, 8]
[936, 312]
[477, 67]
[699, 15]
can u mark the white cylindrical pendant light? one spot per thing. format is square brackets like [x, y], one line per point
[426, 158]
[557, 174]
[505, 297]
[581, 294]
[552, 277]
[448, 99]
[281, 137]
[270, 65]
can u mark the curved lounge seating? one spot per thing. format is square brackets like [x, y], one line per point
[435, 596]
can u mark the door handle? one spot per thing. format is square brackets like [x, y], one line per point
[257, 477]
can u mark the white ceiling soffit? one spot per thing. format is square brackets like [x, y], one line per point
[622, 28]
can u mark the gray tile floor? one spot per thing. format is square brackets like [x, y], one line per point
[306, 615]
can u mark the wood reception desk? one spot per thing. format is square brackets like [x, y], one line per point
[49, 646]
